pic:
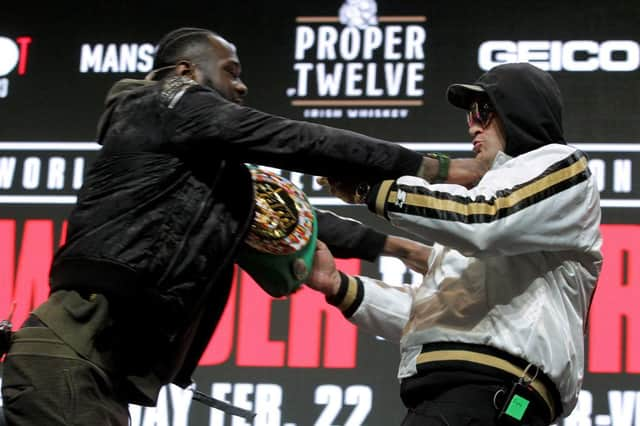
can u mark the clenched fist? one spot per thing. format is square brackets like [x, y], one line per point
[349, 191]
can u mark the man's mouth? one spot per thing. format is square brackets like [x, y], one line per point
[477, 145]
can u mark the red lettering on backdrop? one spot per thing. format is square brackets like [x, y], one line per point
[23, 42]
[220, 346]
[7, 264]
[254, 348]
[28, 284]
[31, 285]
[308, 307]
[63, 233]
[616, 297]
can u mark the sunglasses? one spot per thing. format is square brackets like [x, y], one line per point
[480, 113]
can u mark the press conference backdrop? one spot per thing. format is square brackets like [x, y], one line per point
[296, 361]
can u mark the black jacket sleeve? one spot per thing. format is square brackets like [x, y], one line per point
[207, 124]
[348, 238]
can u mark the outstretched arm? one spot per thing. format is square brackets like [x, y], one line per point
[414, 254]
[348, 238]
[543, 201]
[204, 123]
[375, 306]
[461, 171]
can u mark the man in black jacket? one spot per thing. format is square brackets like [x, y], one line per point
[139, 286]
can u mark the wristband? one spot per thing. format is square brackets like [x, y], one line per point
[443, 166]
[342, 290]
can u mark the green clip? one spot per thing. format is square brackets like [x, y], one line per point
[517, 407]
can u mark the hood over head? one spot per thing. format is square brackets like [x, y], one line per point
[118, 91]
[527, 100]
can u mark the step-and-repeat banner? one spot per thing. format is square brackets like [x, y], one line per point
[376, 67]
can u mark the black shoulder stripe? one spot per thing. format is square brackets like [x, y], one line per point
[419, 201]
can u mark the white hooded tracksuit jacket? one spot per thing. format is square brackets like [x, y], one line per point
[514, 269]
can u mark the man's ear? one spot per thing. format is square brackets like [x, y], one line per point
[185, 69]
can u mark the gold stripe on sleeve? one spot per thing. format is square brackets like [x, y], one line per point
[381, 197]
[484, 208]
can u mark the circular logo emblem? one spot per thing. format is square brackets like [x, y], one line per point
[276, 214]
[283, 220]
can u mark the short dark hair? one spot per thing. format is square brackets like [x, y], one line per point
[187, 43]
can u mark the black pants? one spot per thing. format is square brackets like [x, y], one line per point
[46, 383]
[471, 404]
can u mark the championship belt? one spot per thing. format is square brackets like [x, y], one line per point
[279, 248]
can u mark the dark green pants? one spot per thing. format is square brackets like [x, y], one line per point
[46, 383]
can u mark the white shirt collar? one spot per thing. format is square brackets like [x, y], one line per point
[500, 159]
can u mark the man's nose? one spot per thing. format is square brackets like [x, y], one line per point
[474, 129]
[241, 89]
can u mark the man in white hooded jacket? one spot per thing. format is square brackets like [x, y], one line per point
[495, 332]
